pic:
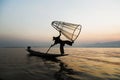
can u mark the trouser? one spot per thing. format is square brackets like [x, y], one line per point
[62, 49]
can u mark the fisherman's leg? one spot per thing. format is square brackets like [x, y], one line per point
[62, 49]
[69, 42]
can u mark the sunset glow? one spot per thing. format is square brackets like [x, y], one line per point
[31, 20]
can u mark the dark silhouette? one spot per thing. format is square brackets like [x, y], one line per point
[28, 48]
[42, 54]
[62, 43]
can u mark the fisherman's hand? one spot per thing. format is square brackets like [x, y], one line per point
[52, 45]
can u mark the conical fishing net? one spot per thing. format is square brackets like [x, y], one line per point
[69, 30]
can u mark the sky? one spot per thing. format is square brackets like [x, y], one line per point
[29, 21]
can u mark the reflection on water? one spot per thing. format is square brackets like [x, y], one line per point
[80, 64]
[59, 68]
[97, 62]
[61, 71]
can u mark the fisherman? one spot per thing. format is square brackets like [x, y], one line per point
[29, 48]
[62, 43]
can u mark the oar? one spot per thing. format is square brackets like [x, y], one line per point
[48, 49]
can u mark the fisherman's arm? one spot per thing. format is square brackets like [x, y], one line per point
[53, 44]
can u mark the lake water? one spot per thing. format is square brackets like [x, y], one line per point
[80, 64]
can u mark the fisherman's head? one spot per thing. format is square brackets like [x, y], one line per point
[29, 48]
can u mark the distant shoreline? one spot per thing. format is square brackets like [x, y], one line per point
[58, 47]
[112, 44]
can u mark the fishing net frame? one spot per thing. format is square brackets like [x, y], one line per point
[61, 26]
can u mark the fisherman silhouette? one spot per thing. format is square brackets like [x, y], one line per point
[62, 43]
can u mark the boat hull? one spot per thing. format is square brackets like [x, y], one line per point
[46, 55]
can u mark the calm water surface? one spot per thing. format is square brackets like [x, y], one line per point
[80, 64]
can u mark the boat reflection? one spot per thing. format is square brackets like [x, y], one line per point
[62, 71]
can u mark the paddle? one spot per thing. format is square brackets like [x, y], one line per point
[48, 49]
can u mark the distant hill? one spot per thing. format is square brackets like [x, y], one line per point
[104, 44]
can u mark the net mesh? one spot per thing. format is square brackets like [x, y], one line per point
[69, 30]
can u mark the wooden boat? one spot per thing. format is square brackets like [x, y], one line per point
[45, 55]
